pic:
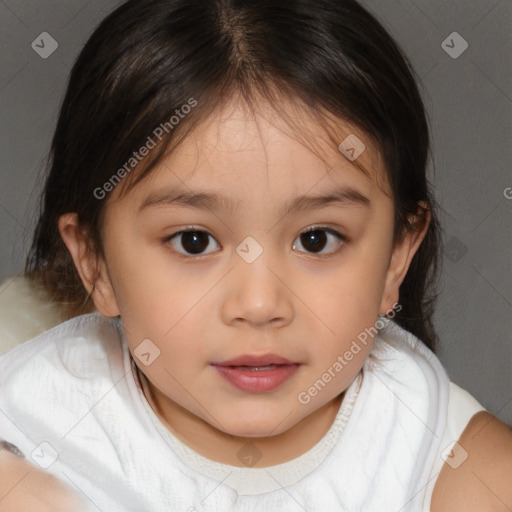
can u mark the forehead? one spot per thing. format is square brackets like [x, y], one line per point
[262, 151]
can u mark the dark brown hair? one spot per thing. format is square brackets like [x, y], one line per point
[149, 58]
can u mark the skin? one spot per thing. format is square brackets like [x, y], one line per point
[24, 487]
[301, 305]
[482, 481]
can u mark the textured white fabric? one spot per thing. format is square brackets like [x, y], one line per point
[70, 401]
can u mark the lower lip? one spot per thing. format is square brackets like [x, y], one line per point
[257, 381]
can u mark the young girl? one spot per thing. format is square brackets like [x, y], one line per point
[238, 219]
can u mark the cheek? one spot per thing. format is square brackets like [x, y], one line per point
[347, 303]
[176, 343]
[355, 289]
[150, 289]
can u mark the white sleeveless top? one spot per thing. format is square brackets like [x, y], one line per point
[71, 401]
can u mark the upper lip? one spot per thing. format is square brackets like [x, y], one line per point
[254, 360]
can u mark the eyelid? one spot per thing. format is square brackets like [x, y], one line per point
[189, 228]
[323, 227]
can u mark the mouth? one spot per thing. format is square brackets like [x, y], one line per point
[256, 368]
[257, 374]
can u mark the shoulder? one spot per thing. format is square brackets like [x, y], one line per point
[482, 481]
[76, 350]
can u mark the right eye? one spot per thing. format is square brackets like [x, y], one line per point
[193, 242]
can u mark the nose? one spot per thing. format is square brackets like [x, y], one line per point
[258, 295]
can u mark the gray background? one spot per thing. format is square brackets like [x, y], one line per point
[468, 99]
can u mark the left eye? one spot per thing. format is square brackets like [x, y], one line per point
[315, 240]
[193, 242]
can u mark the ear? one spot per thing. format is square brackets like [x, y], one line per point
[403, 251]
[90, 265]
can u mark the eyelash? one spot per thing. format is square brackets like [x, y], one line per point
[342, 240]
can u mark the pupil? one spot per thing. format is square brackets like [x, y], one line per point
[314, 239]
[194, 241]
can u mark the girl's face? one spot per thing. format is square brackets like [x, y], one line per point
[208, 260]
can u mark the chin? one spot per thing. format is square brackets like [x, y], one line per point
[252, 431]
[256, 427]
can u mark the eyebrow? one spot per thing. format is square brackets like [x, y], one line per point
[340, 196]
